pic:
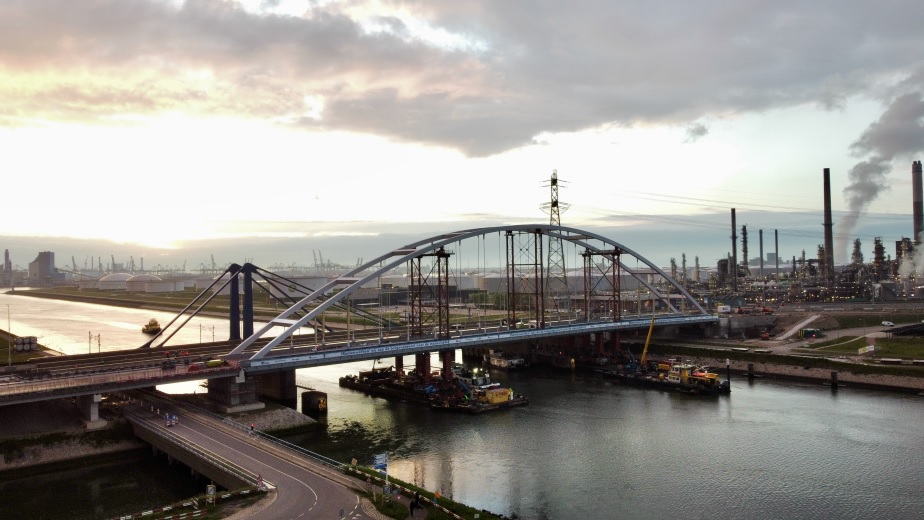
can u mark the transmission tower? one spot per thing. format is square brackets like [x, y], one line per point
[556, 276]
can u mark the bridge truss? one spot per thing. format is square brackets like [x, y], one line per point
[517, 302]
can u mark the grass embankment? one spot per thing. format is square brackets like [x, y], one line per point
[874, 320]
[720, 355]
[898, 348]
[433, 513]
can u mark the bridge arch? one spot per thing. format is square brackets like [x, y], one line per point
[353, 280]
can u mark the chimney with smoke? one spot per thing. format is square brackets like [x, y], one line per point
[917, 201]
[734, 262]
[828, 267]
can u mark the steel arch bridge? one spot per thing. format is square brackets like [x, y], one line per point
[522, 294]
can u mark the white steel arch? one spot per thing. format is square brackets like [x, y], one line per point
[397, 257]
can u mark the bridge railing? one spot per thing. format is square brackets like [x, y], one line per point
[307, 453]
[263, 435]
[214, 460]
[82, 384]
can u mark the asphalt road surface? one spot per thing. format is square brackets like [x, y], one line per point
[304, 488]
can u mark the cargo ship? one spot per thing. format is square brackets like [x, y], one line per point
[467, 391]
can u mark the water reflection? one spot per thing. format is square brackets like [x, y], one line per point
[137, 481]
[587, 448]
[776, 450]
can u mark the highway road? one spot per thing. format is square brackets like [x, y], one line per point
[304, 488]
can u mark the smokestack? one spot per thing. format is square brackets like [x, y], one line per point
[744, 250]
[734, 262]
[917, 201]
[829, 231]
[776, 240]
[760, 235]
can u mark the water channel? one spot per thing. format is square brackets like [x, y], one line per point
[586, 448]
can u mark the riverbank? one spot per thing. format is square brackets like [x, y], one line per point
[274, 419]
[845, 376]
[848, 374]
[50, 434]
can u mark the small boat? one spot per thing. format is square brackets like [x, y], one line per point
[152, 327]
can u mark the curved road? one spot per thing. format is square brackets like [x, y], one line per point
[304, 488]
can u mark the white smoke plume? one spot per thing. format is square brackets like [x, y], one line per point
[897, 134]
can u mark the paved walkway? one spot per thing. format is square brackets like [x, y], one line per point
[797, 327]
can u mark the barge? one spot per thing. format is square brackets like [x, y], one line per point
[674, 376]
[466, 392]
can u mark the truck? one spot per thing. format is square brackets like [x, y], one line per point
[811, 333]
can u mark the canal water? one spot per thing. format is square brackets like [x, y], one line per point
[588, 448]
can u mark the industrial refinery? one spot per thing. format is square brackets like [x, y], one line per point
[892, 274]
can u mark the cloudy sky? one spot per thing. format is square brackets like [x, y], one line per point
[158, 126]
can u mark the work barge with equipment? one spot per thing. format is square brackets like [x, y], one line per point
[456, 390]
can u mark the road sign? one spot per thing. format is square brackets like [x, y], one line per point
[380, 460]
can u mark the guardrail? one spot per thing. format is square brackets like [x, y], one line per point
[219, 462]
[68, 385]
[375, 349]
[246, 429]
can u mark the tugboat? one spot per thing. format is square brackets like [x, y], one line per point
[152, 327]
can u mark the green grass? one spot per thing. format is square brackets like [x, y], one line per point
[464, 511]
[874, 320]
[386, 506]
[899, 347]
[716, 358]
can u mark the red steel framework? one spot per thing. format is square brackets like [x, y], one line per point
[614, 306]
[533, 253]
[422, 291]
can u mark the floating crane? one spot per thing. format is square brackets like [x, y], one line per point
[643, 361]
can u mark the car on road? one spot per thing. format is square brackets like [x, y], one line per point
[888, 324]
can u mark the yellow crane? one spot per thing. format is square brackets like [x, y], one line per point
[643, 361]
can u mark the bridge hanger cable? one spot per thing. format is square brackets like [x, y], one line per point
[354, 279]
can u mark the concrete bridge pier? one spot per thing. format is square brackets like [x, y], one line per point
[447, 356]
[234, 393]
[422, 360]
[399, 365]
[89, 408]
[279, 386]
